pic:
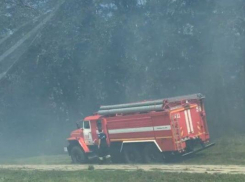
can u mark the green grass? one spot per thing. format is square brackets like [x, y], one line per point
[229, 150]
[52, 159]
[111, 176]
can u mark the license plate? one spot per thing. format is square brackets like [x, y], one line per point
[65, 149]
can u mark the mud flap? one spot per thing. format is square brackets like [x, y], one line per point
[198, 150]
[83, 145]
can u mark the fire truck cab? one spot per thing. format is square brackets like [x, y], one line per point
[149, 131]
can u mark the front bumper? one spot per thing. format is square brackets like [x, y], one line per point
[198, 150]
[65, 149]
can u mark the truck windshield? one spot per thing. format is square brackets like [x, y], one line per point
[80, 124]
[86, 125]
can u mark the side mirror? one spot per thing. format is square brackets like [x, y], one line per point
[78, 126]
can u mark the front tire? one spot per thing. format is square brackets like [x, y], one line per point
[78, 155]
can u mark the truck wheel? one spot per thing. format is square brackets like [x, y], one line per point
[77, 155]
[132, 154]
[116, 158]
[116, 155]
[152, 154]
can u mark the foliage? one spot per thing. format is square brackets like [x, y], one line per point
[115, 51]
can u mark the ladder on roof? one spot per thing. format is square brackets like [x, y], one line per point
[176, 133]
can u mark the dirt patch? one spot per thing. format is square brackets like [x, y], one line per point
[210, 169]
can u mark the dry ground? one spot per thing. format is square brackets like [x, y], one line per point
[210, 169]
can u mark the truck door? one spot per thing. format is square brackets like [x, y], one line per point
[87, 133]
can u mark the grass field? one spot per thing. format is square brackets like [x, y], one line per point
[111, 176]
[226, 151]
[230, 150]
[51, 159]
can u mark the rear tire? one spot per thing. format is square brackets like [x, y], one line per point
[78, 155]
[116, 158]
[116, 154]
[152, 154]
[132, 154]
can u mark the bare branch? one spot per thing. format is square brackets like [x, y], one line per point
[23, 4]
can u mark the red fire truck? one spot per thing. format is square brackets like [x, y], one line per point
[148, 131]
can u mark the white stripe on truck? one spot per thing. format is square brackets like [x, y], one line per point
[190, 120]
[187, 122]
[140, 129]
